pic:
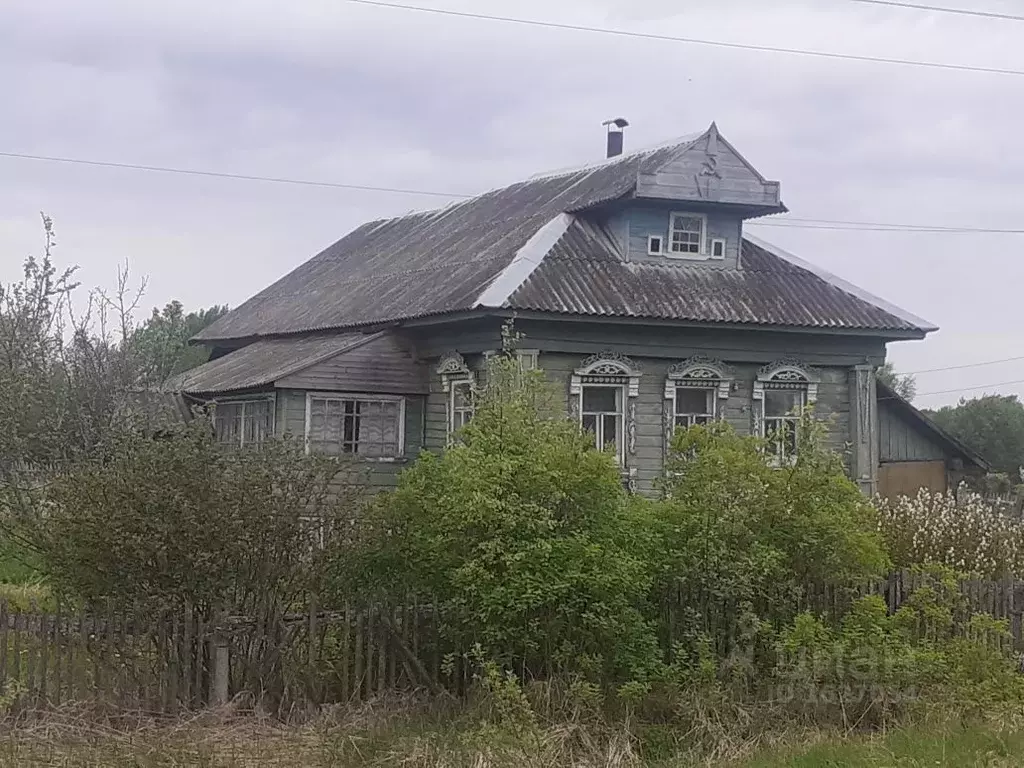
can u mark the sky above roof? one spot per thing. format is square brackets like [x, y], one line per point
[333, 91]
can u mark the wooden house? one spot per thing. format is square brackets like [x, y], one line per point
[637, 289]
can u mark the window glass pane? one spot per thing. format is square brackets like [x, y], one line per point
[600, 399]
[690, 400]
[782, 402]
[590, 423]
[369, 428]
[611, 430]
[461, 395]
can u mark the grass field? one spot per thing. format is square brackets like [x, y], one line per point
[365, 740]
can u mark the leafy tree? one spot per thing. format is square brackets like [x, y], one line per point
[161, 343]
[993, 425]
[904, 386]
[523, 536]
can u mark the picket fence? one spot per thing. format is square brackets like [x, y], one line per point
[184, 661]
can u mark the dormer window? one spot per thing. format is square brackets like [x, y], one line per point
[687, 233]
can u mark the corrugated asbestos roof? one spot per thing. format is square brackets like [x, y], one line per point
[495, 250]
[583, 275]
[428, 263]
[263, 362]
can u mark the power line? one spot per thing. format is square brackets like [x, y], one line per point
[859, 226]
[968, 389]
[942, 9]
[220, 175]
[793, 222]
[963, 366]
[692, 40]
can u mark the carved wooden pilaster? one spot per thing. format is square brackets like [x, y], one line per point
[864, 428]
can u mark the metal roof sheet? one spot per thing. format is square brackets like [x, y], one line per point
[432, 262]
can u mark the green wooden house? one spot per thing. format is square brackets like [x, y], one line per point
[636, 288]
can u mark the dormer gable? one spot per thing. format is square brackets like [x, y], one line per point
[709, 170]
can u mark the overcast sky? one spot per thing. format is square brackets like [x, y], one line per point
[340, 92]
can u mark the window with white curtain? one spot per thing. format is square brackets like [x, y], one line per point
[370, 426]
[243, 423]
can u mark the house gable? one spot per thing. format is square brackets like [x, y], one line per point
[710, 170]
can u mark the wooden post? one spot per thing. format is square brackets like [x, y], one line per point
[220, 660]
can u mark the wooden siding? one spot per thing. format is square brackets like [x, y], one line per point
[386, 365]
[906, 478]
[679, 178]
[642, 220]
[755, 346]
[833, 405]
[899, 440]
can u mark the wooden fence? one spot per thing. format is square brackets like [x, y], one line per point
[184, 661]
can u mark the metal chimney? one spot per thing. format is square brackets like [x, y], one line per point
[615, 130]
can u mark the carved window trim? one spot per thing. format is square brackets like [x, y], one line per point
[697, 372]
[788, 374]
[454, 372]
[610, 369]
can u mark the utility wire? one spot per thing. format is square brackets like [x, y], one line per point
[794, 222]
[219, 175]
[963, 366]
[692, 40]
[942, 9]
[967, 389]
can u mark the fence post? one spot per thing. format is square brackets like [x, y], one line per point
[220, 660]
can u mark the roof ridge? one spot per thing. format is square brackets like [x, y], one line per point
[636, 154]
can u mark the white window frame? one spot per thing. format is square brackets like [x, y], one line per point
[610, 369]
[454, 373]
[697, 372]
[452, 386]
[711, 249]
[650, 245]
[710, 413]
[702, 252]
[621, 395]
[791, 375]
[270, 400]
[363, 397]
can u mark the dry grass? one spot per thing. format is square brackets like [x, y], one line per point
[415, 733]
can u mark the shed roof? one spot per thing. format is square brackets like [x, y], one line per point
[529, 246]
[263, 362]
[908, 412]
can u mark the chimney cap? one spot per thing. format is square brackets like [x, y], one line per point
[618, 122]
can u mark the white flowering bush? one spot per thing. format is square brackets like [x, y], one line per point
[965, 533]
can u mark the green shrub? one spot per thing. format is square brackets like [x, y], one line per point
[741, 540]
[523, 536]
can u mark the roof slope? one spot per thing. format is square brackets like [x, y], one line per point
[529, 246]
[432, 262]
[889, 395]
[582, 274]
[263, 362]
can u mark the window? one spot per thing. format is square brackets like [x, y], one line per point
[694, 406]
[460, 404]
[781, 423]
[243, 423]
[781, 392]
[359, 425]
[602, 396]
[602, 415]
[687, 233]
[717, 248]
[654, 245]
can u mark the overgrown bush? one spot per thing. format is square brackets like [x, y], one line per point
[742, 540]
[522, 536]
[175, 520]
[875, 665]
[962, 531]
